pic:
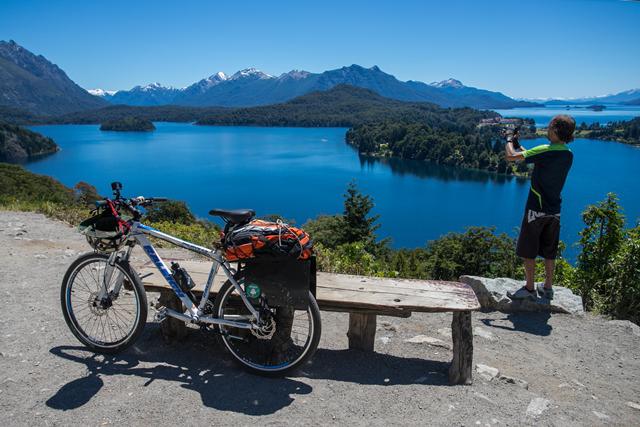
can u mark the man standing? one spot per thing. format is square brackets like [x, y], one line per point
[540, 230]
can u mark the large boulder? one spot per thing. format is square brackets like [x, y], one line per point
[492, 295]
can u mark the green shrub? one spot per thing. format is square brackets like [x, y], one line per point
[170, 211]
[200, 233]
[600, 241]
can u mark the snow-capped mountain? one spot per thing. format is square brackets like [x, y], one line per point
[250, 87]
[451, 83]
[151, 94]
[101, 92]
[616, 98]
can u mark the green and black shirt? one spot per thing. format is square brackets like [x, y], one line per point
[551, 166]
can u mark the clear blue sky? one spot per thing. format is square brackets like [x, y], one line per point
[547, 48]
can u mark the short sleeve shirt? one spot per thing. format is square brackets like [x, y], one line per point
[551, 165]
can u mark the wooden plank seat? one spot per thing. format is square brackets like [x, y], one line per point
[362, 297]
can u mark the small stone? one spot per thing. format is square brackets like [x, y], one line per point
[537, 406]
[484, 333]
[485, 398]
[420, 339]
[487, 373]
[517, 381]
[633, 405]
[40, 256]
[389, 326]
[601, 415]
[445, 332]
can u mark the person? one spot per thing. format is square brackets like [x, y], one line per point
[540, 229]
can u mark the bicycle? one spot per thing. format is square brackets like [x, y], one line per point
[105, 305]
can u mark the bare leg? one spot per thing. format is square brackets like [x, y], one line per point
[549, 266]
[530, 272]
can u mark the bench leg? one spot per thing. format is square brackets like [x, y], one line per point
[362, 331]
[172, 329]
[460, 371]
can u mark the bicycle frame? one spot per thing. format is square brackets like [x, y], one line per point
[193, 313]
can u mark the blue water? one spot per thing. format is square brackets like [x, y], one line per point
[542, 116]
[301, 173]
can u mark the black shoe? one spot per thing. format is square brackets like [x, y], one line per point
[523, 294]
[545, 293]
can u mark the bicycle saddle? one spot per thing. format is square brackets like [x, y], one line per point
[235, 216]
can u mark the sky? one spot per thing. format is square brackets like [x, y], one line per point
[525, 49]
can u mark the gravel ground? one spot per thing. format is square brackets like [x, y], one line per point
[578, 370]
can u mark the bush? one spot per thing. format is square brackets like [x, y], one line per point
[600, 241]
[170, 211]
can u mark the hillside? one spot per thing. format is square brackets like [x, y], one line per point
[128, 124]
[18, 144]
[34, 84]
[342, 105]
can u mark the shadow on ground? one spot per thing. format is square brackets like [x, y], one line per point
[199, 364]
[531, 323]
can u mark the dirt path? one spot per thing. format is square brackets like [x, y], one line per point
[579, 370]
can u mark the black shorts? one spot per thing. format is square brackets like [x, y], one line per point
[539, 235]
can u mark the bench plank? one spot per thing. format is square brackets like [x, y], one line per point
[342, 292]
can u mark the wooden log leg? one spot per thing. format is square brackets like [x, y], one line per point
[281, 340]
[460, 371]
[172, 329]
[362, 331]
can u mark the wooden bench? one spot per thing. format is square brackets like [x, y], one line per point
[363, 298]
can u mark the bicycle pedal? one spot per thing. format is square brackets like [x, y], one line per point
[161, 314]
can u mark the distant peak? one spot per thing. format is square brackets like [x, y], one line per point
[250, 72]
[101, 92]
[375, 68]
[453, 83]
[296, 74]
[218, 77]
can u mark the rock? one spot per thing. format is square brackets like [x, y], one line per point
[633, 405]
[600, 415]
[517, 381]
[40, 256]
[627, 325]
[485, 398]
[389, 326]
[492, 295]
[537, 406]
[445, 332]
[484, 333]
[419, 339]
[487, 373]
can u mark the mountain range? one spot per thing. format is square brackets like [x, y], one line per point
[629, 97]
[30, 82]
[252, 87]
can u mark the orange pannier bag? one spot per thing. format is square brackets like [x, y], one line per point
[259, 238]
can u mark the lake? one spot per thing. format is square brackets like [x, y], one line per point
[301, 173]
[542, 116]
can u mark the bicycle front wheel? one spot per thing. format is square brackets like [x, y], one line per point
[289, 338]
[110, 324]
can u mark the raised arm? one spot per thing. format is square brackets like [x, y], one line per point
[513, 154]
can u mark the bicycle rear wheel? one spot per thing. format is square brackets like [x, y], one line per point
[270, 353]
[109, 325]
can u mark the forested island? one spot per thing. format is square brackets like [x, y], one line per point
[463, 144]
[128, 124]
[18, 144]
[627, 132]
